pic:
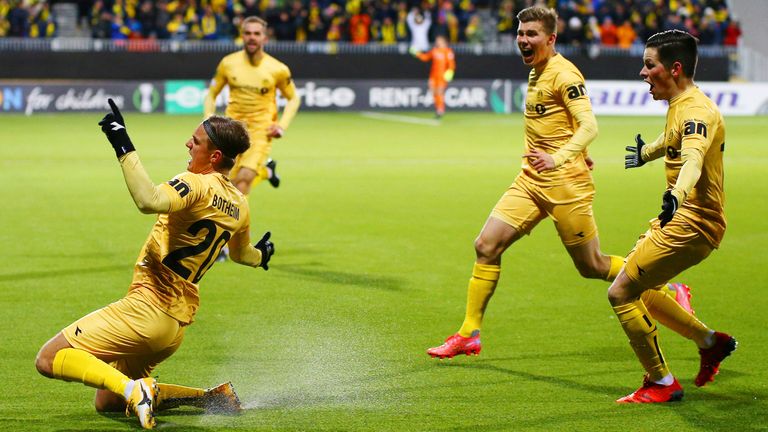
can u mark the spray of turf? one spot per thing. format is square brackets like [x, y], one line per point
[313, 367]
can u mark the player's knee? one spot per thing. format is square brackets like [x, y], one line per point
[590, 270]
[487, 250]
[617, 295]
[44, 366]
[44, 362]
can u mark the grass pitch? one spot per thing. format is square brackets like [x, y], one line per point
[374, 223]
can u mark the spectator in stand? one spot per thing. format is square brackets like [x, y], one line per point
[146, 17]
[608, 32]
[316, 30]
[209, 24]
[506, 26]
[419, 23]
[388, 32]
[335, 30]
[401, 22]
[709, 31]
[359, 26]
[474, 31]
[732, 33]
[626, 35]
[251, 8]
[43, 23]
[18, 21]
[177, 27]
[162, 19]
[674, 22]
[284, 28]
[119, 30]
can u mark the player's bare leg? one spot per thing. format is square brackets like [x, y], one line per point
[243, 180]
[495, 237]
[592, 263]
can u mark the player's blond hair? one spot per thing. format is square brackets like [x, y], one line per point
[546, 16]
[254, 19]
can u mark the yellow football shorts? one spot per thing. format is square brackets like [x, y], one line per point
[131, 333]
[257, 154]
[661, 254]
[525, 204]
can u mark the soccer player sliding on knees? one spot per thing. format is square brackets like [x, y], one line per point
[116, 348]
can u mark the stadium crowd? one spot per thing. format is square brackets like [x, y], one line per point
[609, 23]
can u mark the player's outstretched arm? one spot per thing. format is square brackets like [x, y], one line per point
[641, 152]
[148, 197]
[243, 252]
[635, 157]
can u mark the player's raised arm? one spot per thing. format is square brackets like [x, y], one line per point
[148, 197]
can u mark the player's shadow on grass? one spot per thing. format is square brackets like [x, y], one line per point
[545, 379]
[46, 274]
[314, 273]
[164, 420]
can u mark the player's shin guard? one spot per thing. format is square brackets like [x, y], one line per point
[670, 314]
[173, 396]
[643, 337]
[617, 263]
[480, 290]
[71, 364]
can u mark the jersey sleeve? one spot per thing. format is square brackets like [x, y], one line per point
[696, 140]
[217, 84]
[285, 83]
[695, 129]
[573, 92]
[184, 191]
[288, 90]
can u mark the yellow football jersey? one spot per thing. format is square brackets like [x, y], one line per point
[206, 212]
[553, 97]
[252, 86]
[695, 122]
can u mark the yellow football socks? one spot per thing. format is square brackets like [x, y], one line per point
[643, 337]
[617, 263]
[71, 364]
[172, 396]
[480, 290]
[670, 314]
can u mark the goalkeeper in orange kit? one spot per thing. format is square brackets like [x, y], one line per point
[441, 73]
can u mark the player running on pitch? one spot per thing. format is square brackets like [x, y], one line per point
[690, 225]
[254, 77]
[555, 181]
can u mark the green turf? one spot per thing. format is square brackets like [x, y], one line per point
[374, 224]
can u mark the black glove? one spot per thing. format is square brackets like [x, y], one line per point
[668, 207]
[634, 159]
[267, 249]
[113, 127]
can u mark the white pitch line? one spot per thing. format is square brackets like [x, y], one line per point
[400, 118]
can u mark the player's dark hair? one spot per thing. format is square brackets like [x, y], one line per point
[546, 16]
[254, 19]
[676, 46]
[229, 136]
